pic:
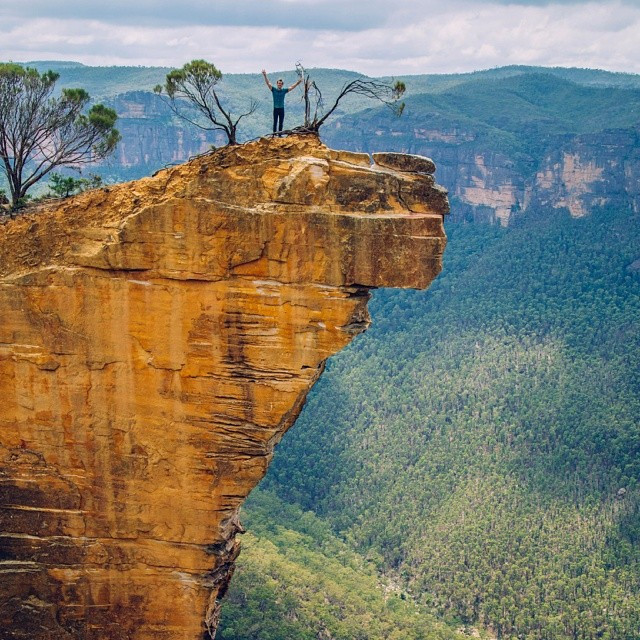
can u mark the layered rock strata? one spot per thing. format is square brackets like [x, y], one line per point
[157, 340]
[577, 173]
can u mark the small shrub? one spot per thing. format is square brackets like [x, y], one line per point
[64, 186]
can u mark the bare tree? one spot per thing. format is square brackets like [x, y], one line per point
[311, 95]
[315, 114]
[39, 132]
[196, 84]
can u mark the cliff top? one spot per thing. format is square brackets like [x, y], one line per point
[291, 173]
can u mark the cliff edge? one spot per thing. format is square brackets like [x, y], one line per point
[157, 340]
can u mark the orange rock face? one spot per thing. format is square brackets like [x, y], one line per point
[157, 340]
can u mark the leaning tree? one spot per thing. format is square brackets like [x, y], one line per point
[195, 85]
[315, 108]
[40, 131]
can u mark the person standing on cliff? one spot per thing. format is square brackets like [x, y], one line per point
[279, 92]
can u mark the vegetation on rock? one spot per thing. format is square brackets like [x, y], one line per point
[39, 132]
[194, 85]
[316, 112]
[62, 186]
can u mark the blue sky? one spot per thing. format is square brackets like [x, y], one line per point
[377, 37]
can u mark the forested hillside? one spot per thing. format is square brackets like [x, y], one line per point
[482, 440]
[298, 581]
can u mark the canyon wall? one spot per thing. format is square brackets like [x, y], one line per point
[152, 137]
[157, 340]
[490, 182]
[489, 179]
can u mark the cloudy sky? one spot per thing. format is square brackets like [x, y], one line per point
[376, 37]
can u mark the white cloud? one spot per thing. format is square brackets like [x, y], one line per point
[422, 36]
[304, 14]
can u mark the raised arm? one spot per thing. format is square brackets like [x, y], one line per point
[295, 84]
[264, 75]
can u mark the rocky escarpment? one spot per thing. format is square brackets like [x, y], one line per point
[157, 340]
[576, 173]
[500, 166]
[491, 177]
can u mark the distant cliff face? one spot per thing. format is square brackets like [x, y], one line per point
[576, 173]
[490, 184]
[489, 181]
[157, 340]
[152, 136]
[587, 171]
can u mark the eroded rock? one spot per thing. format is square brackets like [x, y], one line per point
[157, 340]
[405, 162]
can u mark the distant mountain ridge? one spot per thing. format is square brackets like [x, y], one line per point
[504, 140]
[424, 82]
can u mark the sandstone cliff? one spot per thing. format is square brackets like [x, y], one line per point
[576, 173]
[157, 340]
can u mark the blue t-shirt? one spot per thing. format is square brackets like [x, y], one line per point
[278, 97]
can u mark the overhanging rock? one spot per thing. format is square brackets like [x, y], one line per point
[157, 340]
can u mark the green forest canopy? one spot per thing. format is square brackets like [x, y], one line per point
[482, 441]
